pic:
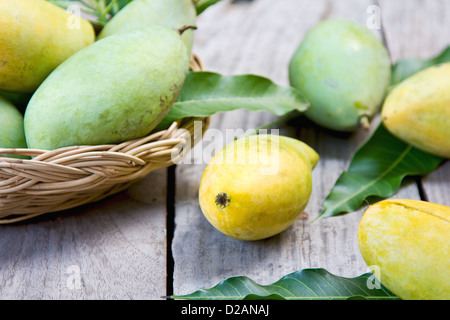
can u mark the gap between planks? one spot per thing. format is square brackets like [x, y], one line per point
[170, 229]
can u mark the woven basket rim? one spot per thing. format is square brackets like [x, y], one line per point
[46, 181]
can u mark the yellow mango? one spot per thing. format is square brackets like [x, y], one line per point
[257, 186]
[36, 36]
[409, 241]
[417, 110]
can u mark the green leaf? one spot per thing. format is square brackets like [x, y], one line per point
[377, 170]
[407, 67]
[202, 5]
[306, 284]
[206, 93]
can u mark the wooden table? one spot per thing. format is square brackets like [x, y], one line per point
[152, 240]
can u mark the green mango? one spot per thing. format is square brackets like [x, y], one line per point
[170, 13]
[35, 37]
[344, 71]
[117, 89]
[12, 134]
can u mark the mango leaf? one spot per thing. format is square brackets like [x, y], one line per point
[206, 93]
[376, 170]
[306, 284]
[202, 5]
[407, 67]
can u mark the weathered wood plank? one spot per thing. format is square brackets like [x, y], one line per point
[424, 28]
[260, 38]
[415, 28]
[114, 249]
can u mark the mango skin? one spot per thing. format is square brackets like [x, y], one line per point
[266, 179]
[409, 240]
[12, 134]
[119, 88]
[35, 38]
[344, 71]
[417, 110]
[170, 13]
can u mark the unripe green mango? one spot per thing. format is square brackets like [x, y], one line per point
[409, 243]
[138, 13]
[417, 110]
[344, 71]
[35, 37]
[119, 88]
[11, 126]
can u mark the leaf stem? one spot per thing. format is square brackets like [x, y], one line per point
[184, 28]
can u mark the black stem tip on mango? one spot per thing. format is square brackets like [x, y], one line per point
[222, 200]
[184, 28]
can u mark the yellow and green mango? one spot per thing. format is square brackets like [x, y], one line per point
[117, 89]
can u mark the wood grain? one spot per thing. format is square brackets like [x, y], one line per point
[114, 249]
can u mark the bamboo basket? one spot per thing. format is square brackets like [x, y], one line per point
[57, 180]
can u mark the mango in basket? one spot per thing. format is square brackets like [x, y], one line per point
[257, 186]
[344, 71]
[11, 126]
[117, 89]
[36, 36]
[409, 241]
[418, 110]
[171, 13]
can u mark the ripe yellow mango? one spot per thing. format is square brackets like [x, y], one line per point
[257, 186]
[417, 110]
[409, 241]
[35, 37]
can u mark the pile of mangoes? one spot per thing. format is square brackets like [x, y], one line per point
[85, 89]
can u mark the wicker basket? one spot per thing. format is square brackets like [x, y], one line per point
[56, 180]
